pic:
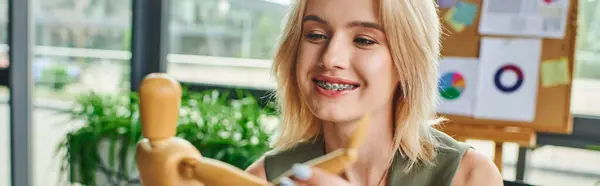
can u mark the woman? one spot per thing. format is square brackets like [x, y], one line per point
[341, 59]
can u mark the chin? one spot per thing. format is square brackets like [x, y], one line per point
[336, 115]
[334, 119]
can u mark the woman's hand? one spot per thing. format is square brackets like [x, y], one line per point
[310, 176]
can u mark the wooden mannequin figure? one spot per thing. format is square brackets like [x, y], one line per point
[166, 160]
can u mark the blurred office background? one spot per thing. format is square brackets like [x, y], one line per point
[81, 46]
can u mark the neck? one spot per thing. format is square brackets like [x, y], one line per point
[375, 153]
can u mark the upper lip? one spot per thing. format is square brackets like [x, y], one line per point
[331, 79]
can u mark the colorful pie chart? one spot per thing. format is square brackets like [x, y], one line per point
[508, 88]
[451, 85]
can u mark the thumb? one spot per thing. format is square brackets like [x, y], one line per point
[312, 176]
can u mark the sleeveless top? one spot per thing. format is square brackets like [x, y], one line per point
[441, 173]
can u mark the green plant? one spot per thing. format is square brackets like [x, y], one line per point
[220, 125]
[56, 76]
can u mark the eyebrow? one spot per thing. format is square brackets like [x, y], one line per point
[351, 24]
[314, 18]
[366, 25]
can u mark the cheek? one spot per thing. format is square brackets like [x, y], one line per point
[306, 60]
[304, 65]
[377, 67]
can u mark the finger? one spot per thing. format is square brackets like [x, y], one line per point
[306, 175]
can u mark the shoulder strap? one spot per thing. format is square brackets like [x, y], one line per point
[441, 173]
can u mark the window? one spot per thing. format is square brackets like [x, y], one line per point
[4, 107]
[3, 34]
[80, 46]
[3, 54]
[225, 42]
[586, 81]
[4, 137]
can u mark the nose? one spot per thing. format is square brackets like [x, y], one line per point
[336, 54]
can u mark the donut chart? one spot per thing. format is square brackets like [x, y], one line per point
[508, 88]
[451, 85]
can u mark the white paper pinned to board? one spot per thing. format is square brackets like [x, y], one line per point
[537, 18]
[457, 85]
[508, 79]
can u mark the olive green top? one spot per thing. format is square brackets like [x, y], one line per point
[440, 174]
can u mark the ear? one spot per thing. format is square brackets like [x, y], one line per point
[398, 93]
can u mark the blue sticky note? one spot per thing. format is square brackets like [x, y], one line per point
[446, 3]
[465, 13]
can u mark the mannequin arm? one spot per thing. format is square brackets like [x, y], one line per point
[337, 161]
[213, 172]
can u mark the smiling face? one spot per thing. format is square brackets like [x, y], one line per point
[344, 68]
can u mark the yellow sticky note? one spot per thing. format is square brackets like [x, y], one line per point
[555, 72]
[458, 27]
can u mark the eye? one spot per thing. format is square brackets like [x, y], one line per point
[364, 41]
[315, 37]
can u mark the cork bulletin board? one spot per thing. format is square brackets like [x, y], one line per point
[552, 104]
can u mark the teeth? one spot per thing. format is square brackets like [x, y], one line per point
[334, 86]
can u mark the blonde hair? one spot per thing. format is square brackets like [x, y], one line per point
[413, 32]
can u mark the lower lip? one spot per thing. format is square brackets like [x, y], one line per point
[332, 93]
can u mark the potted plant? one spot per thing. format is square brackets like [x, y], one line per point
[100, 148]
